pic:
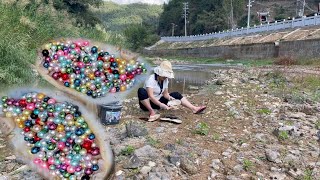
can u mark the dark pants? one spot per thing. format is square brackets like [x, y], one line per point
[143, 94]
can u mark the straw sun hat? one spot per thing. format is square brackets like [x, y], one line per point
[164, 70]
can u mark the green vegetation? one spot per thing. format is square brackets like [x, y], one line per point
[318, 124]
[25, 28]
[245, 62]
[264, 111]
[216, 137]
[134, 24]
[153, 142]
[117, 17]
[204, 16]
[307, 174]
[283, 135]
[247, 165]
[202, 129]
[128, 150]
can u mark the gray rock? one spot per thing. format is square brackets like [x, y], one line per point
[277, 176]
[238, 169]
[219, 82]
[260, 175]
[147, 152]
[218, 93]
[135, 129]
[295, 174]
[174, 160]
[206, 153]
[170, 147]
[133, 163]
[214, 174]
[10, 167]
[151, 164]
[232, 178]
[291, 158]
[272, 156]
[160, 129]
[188, 166]
[216, 163]
[297, 115]
[145, 170]
[153, 176]
[227, 153]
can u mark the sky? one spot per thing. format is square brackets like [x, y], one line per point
[142, 1]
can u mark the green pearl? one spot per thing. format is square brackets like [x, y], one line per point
[66, 175]
[52, 167]
[38, 144]
[4, 98]
[62, 114]
[57, 162]
[69, 70]
[29, 99]
[51, 146]
[59, 47]
[80, 120]
[77, 147]
[84, 125]
[44, 104]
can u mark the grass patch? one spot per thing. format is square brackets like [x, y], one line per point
[264, 111]
[247, 165]
[283, 135]
[318, 124]
[153, 142]
[200, 60]
[128, 150]
[179, 141]
[202, 129]
[216, 137]
[307, 174]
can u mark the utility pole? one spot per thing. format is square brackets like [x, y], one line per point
[249, 9]
[303, 5]
[231, 15]
[300, 8]
[173, 26]
[185, 8]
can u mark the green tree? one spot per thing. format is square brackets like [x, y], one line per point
[139, 36]
[80, 9]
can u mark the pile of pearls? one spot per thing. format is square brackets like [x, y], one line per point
[56, 134]
[89, 70]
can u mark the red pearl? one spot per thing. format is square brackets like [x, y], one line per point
[55, 76]
[22, 102]
[100, 58]
[38, 121]
[36, 138]
[95, 151]
[87, 144]
[26, 129]
[111, 60]
[65, 76]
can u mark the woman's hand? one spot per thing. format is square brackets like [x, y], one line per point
[165, 107]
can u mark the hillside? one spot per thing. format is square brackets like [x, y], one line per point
[117, 17]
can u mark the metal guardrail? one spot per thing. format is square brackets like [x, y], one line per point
[285, 24]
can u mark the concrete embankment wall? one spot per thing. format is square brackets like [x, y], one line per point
[298, 49]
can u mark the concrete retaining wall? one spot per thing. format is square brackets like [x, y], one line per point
[298, 49]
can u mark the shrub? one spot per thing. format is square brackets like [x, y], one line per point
[285, 61]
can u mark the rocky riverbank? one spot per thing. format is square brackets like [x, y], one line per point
[258, 125]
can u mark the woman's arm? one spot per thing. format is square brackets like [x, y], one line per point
[155, 100]
[167, 95]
